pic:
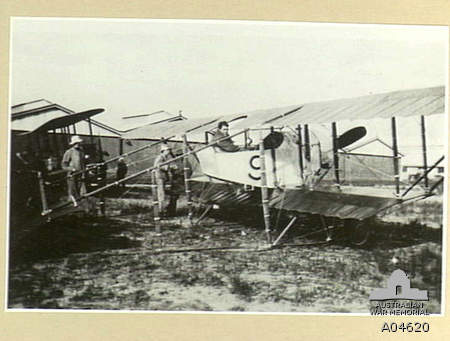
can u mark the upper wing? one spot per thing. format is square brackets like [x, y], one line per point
[425, 101]
[64, 121]
[415, 102]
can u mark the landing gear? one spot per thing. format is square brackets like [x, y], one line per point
[359, 231]
[328, 224]
[353, 231]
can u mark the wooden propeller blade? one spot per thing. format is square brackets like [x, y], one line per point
[351, 136]
[273, 140]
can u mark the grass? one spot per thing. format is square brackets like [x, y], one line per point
[240, 287]
[428, 212]
[130, 206]
[102, 268]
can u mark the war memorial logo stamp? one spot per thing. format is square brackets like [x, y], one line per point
[398, 298]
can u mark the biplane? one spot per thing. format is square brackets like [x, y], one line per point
[300, 169]
[37, 182]
[295, 159]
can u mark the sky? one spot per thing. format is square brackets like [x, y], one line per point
[202, 68]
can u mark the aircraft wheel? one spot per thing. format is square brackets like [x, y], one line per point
[360, 232]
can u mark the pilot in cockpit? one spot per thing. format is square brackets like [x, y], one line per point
[227, 144]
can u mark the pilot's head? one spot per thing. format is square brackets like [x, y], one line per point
[223, 127]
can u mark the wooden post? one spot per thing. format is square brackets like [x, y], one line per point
[264, 192]
[335, 153]
[300, 151]
[424, 151]
[187, 186]
[156, 217]
[42, 191]
[395, 153]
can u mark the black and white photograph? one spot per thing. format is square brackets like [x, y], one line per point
[226, 166]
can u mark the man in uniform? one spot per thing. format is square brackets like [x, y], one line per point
[227, 144]
[166, 179]
[122, 170]
[73, 162]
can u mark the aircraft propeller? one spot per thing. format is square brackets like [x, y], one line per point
[350, 136]
[273, 140]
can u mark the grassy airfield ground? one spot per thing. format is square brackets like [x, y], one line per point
[121, 263]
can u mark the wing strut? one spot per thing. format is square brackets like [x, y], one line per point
[335, 152]
[156, 202]
[395, 159]
[300, 150]
[424, 150]
[423, 176]
[264, 191]
[274, 162]
[307, 144]
[187, 185]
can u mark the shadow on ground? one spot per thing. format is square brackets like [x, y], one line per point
[70, 235]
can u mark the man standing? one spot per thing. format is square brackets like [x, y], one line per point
[73, 162]
[122, 170]
[166, 177]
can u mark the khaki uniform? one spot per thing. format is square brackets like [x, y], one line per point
[73, 161]
[166, 180]
[227, 145]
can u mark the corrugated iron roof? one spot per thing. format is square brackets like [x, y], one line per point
[64, 121]
[30, 116]
[31, 122]
[24, 107]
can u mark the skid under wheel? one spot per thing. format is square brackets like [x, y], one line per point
[360, 232]
[203, 214]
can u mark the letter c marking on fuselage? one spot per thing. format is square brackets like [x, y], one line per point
[255, 167]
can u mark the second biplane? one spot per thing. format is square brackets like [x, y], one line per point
[38, 190]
